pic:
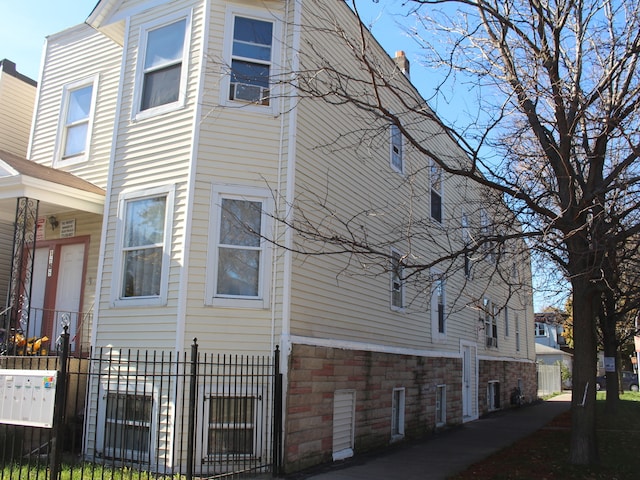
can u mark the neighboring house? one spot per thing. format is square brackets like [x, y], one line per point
[554, 356]
[164, 151]
[549, 328]
[17, 100]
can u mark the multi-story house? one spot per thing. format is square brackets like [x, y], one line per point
[176, 158]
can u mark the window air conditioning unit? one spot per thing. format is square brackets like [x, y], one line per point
[249, 93]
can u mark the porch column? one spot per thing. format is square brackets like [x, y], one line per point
[24, 244]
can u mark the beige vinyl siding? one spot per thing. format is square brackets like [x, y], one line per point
[150, 152]
[343, 158]
[75, 54]
[6, 257]
[240, 148]
[17, 99]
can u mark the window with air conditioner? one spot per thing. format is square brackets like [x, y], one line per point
[251, 59]
[490, 314]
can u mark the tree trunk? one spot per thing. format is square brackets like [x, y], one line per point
[610, 343]
[584, 447]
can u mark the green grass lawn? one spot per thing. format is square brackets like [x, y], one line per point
[543, 455]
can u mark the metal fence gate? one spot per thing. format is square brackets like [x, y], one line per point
[148, 414]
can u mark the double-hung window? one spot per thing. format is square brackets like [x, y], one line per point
[396, 151]
[127, 433]
[436, 191]
[251, 60]
[76, 118]
[145, 225]
[397, 281]
[161, 66]
[232, 427]
[490, 312]
[239, 264]
[466, 240]
[438, 299]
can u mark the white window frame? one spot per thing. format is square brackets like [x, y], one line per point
[466, 242]
[441, 405]
[274, 70]
[396, 149]
[396, 278]
[137, 113]
[436, 187]
[489, 312]
[517, 327]
[541, 330]
[135, 389]
[506, 321]
[117, 299]
[258, 428]
[61, 137]
[218, 192]
[397, 413]
[438, 282]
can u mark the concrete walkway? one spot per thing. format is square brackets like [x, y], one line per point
[450, 452]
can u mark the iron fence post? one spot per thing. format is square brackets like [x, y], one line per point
[59, 406]
[277, 414]
[191, 428]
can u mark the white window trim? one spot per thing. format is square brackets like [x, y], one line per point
[118, 265]
[258, 420]
[59, 161]
[397, 412]
[136, 113]
[436, 335]
[274, 69]
[241, 193]
[441, 419]
[392, 129]
[490, 318]
[403, 287]
[439, 191]
[126, 388]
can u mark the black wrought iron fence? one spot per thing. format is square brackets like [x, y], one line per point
[142, 414]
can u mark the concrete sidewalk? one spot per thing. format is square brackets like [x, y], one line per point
[450, 452]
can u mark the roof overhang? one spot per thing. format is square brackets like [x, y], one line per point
[57, 191]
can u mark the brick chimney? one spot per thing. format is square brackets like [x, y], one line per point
[402, 62]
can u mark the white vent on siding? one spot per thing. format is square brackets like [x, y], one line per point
[344, 408]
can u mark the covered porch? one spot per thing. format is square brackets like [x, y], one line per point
[49, 221]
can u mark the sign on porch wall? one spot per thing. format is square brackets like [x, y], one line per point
[27, 397]
[68, 228]
[40, 228]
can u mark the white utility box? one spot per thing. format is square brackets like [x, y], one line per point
[27, 397]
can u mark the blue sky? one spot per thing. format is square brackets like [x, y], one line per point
[26, 23]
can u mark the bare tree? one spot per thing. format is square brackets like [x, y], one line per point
[558, 111]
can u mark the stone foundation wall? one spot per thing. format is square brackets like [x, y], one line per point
[507, 374]
[315, 373]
